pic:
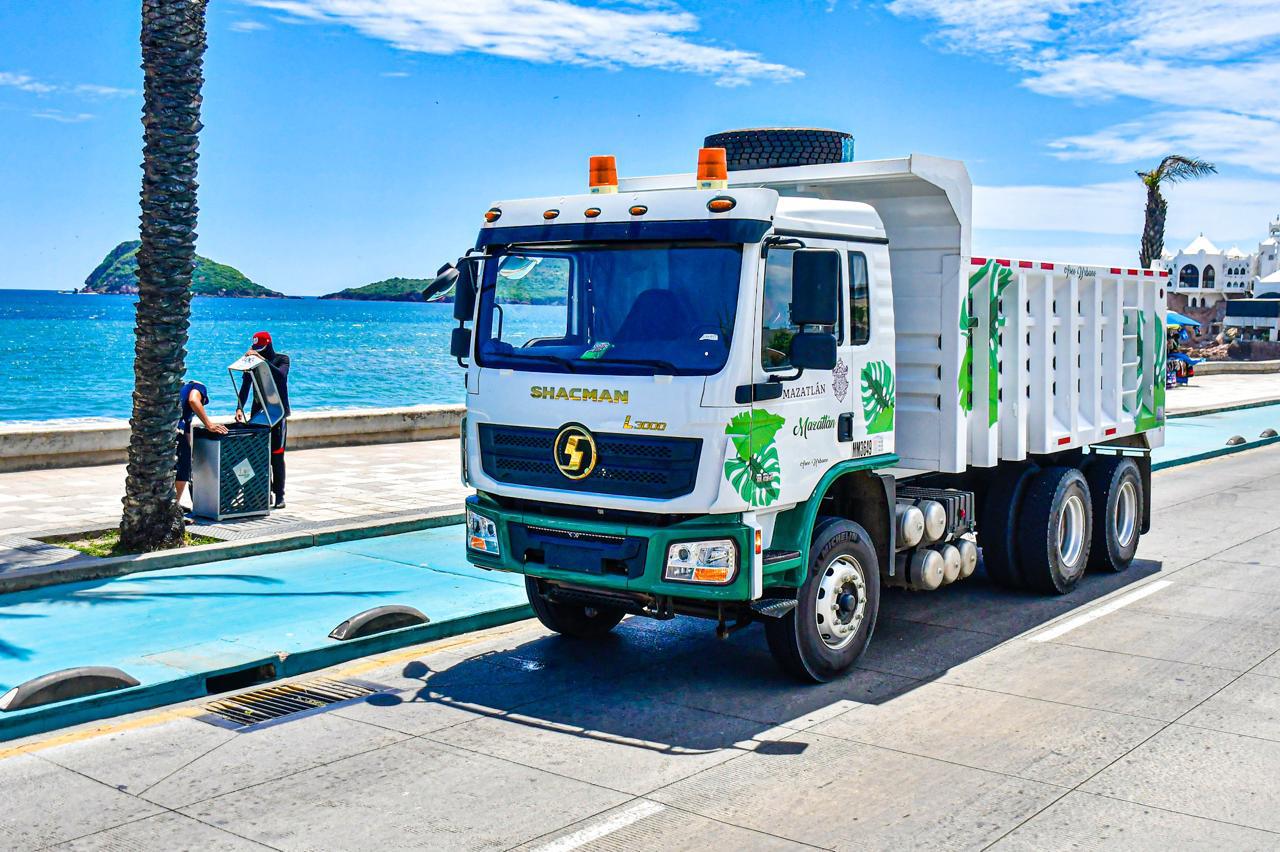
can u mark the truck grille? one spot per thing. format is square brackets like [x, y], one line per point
[633, 465]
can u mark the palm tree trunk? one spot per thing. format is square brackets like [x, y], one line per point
[1153, 229]
[173, 43]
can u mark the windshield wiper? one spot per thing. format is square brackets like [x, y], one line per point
[643, 362]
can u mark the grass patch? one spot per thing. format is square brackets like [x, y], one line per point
[107, 543]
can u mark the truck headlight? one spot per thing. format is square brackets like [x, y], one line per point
[482, 534]
[702, 561]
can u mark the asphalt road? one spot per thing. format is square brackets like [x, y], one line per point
[1140, 712]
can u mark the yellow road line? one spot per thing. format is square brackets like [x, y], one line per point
[188, 712]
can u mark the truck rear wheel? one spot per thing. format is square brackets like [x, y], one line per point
[1116, 486]
[1055, 522]
[575, 620]
[998, 524]
[836, 608]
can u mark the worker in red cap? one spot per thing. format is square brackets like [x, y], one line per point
[262, 347]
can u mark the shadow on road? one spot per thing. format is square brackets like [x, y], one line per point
[672, 687]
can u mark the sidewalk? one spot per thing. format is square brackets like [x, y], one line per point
[1210, 393]
[325, 487]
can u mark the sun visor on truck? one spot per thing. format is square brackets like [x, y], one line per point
[717, 230]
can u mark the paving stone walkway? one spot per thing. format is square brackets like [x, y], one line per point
[1138, 713]
[325, 487]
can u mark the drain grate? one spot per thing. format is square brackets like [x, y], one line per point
[281, 701]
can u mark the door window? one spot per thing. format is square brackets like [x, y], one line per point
[775, 314]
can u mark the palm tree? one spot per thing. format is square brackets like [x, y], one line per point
[173, 43]
[1172, 169]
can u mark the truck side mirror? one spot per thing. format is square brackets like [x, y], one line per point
[815, 277]
[460, 343]
[446, 277]
[464, 292]
[813, 350]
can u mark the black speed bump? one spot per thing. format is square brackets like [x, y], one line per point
[378, 620]
[64, 685]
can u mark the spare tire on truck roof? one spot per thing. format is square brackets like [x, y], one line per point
[777, 147]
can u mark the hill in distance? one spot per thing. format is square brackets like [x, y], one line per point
[118, 274]
[541, 286]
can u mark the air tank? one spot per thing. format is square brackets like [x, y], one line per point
[910, 526]
[968, 556]
[951, 563]
[926, 569]
[935, 520]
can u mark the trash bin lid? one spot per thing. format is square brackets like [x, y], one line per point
[264, 388]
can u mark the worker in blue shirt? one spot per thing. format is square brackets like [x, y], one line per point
[194, 397]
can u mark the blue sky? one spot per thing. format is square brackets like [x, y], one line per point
[351, 140]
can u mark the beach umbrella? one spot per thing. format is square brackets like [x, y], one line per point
[1175, 318]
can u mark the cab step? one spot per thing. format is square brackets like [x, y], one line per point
[773, 607]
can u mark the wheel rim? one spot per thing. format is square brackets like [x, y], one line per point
[841, 603]
[1126, 519]
[1071, 531]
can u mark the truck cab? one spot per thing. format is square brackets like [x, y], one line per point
[701, 401]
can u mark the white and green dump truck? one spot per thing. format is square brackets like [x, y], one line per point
[766, 393]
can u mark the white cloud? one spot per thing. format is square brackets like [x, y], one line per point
[62, 117]
[1205, 72]
[27, 83]
[24, 83]
[623, 33]
[247, 26]
[1226, 209]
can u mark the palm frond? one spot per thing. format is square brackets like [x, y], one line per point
[1176, 167]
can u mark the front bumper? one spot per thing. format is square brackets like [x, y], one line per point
[617, 557]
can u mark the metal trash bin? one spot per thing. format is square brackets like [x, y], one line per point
[231, 473]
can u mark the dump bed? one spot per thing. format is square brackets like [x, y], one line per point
[1060, 356]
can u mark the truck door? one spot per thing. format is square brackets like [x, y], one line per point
[864, 370]
[793, 438]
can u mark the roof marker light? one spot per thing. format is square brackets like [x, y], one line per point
[591, 212]
[550, 214]
[603, 175]
[638, 210]
[721, 204]
[713, 168]
[493, 214]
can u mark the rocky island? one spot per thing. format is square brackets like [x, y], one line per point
[538, 286]
[118, 274]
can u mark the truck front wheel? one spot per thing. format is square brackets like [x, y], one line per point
[836, 608]
[575, 620]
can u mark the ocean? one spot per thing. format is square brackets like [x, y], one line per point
[70, 357]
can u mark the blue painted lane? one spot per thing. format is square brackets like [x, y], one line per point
[171, 629]
[1188, 439]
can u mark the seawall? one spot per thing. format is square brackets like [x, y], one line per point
[35, 446]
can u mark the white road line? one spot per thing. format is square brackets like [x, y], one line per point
[1107, 608]
[621, 819]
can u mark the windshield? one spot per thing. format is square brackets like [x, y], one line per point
[610, 308]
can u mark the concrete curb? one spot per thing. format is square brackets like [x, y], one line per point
[1218, 409]
[39, 720]
[1221, 368]
[95, 568]
[1213, 454]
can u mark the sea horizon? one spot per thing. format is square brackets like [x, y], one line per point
[71, 360]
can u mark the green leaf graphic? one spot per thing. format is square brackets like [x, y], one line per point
[758, 479]
[878, 395]
[753, 430]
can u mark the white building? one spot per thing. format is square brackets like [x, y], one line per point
[1267, 261]
[1206, 274]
